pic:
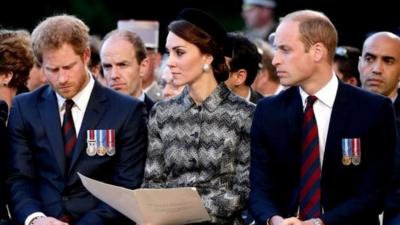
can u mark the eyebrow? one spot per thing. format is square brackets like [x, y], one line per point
[65, 66]
[369, 55]
[384, 57]
[176, 47]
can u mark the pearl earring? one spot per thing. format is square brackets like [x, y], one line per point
[206, 68]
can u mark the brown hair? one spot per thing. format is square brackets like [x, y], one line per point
[315, 27]
[16, 56]
[267, 54]
[205, 43]
[131, 37]
[54, 32]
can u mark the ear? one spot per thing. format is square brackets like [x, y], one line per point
[5, 78]
[318, 51]
[208, 59]
[143, 67]
[359, 65]
[352, 81]
[86, 56]
[241, 76]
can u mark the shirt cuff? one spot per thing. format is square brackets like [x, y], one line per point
[29, 219]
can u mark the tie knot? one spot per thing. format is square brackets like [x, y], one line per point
[311, 99]
[69, 103]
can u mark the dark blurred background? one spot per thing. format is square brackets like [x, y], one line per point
[353, 19]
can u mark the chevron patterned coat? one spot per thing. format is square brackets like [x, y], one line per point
[206, 146]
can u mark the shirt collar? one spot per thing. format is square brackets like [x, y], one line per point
[81, 99]
[326, 94]
[141, 97]
[395, 97]
[211, 102]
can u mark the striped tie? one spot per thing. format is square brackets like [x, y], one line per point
[68, 127]
[310, 192]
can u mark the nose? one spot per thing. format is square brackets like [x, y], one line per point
[377, 67]
[62, 76]
[276, 59]
[170, 61]
[114, 73]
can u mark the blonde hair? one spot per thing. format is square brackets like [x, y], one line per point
[315, 27]
[55, 31]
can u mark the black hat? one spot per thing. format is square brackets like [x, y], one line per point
[205, 22]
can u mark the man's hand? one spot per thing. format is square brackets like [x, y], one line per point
[47, 221]
[296, 221]
[275, 220]
[293, 221]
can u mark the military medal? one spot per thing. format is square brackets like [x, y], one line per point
[110, 142]
[356, 158]
[91, 143]
[346, 151]
[101, 148]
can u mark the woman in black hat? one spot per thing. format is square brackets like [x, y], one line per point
[201, 137]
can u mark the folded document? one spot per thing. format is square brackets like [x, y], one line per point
[170, 206]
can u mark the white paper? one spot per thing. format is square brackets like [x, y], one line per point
[172, 206]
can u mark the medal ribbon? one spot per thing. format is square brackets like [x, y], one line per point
[356, 147]
[346, 147]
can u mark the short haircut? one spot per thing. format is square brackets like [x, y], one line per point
[315, 27]
[131, 37]
[244, 56]
[54, 32]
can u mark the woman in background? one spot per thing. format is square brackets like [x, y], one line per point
[16, 61]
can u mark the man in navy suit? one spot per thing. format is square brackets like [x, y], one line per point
[356, 135]
[379, 68]
[110, 143]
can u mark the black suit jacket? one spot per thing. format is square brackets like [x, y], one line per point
[255, 96]
[391, 215]
[4, 147]
[149, 103]
[349, 194]
[39, 179]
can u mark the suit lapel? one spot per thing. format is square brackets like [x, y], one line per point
[396, 106]
[337, 125]
[295, 120]
[295, 114]
[94, 112]
[48, 109]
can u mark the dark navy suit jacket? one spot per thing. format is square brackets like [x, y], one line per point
[391, 214]
[349, 194]
[39, 178]
[3, 148]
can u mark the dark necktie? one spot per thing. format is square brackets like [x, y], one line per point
[68, 128]
[310, 189]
